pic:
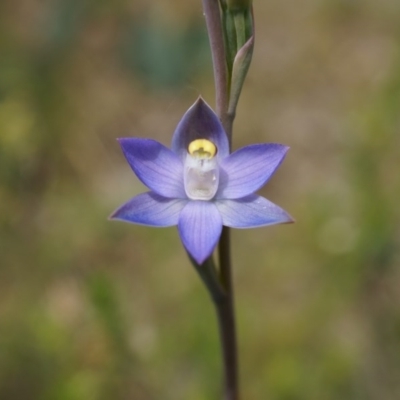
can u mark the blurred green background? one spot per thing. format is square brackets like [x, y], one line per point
[92, 309]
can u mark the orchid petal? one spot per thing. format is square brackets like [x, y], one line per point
[155, 165]
[200, 122]
[250, 212]
[150, 209]
[248, 169]
[200, 227]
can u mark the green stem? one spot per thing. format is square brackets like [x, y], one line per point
[226, 319]
[209, 275]
[224, 304]
[221, 291]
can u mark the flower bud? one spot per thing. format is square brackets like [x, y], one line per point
[237, 5]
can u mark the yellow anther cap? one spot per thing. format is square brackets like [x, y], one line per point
[202, 148]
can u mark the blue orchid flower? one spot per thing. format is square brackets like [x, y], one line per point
[198, 185]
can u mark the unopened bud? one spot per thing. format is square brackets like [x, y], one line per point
[238, 5]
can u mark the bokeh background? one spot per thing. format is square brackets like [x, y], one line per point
[92, 309]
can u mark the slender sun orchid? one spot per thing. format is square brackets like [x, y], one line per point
[198, 185]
